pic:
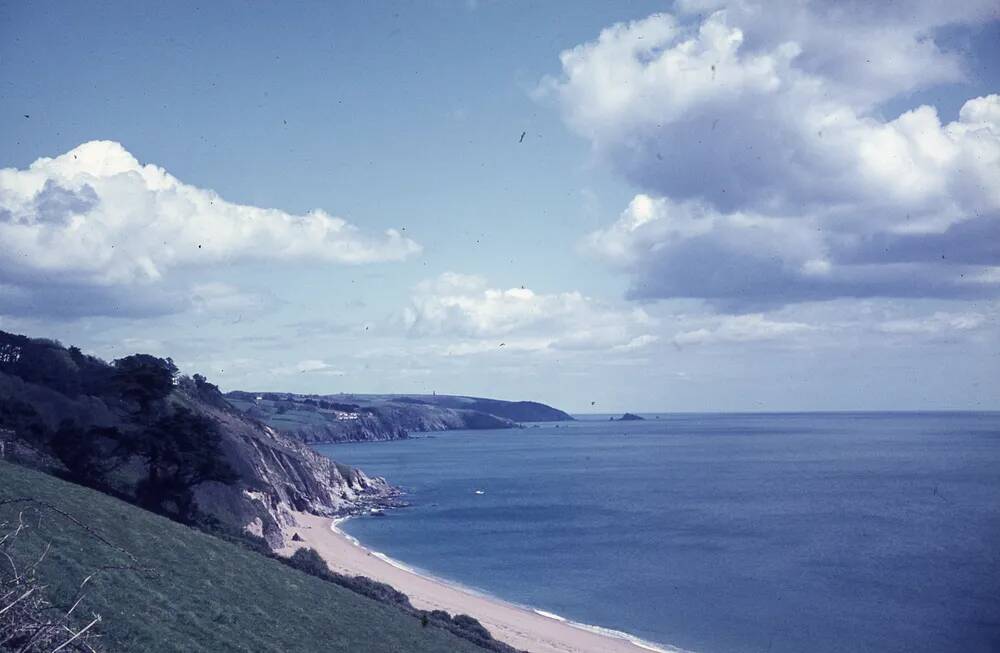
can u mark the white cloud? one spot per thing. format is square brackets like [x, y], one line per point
[218, 297]
[938, 323]
[742, 328]
[95, 217]
[638, 342]
[519, 318]
[309, 366]
[769, 173]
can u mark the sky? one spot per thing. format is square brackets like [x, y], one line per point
[644, 206]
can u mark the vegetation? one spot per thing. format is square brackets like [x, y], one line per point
[162, 586]
[29, 622]
[143, 378]
[135, 431]
[113, 427]
[462, 625]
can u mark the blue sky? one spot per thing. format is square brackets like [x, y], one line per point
[630, 251]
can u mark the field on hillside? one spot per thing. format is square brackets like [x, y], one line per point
[186, 590]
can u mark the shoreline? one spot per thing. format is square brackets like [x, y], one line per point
[523, 627]
[599, 630]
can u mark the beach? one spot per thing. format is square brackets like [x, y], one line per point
[520, 627]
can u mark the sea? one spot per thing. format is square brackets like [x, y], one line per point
[717, 533]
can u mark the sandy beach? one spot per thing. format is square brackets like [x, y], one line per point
[522, 628]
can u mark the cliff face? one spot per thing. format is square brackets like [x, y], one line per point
[174, 446]
[276, 473]
[344, 418]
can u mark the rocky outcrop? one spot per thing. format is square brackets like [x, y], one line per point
[278, 474]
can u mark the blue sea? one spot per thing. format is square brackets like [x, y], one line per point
[718, 532]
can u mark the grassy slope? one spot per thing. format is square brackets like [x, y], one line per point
[208, 595]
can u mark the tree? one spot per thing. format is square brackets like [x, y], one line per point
[182, 449]
[21, 418]
[143, 378]
[88, 453]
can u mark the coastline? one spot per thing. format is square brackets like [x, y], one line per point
[522, 627]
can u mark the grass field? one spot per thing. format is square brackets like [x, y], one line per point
[200, 593]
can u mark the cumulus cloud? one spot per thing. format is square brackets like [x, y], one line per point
[465, 306]
[95, 217]
[769, 172]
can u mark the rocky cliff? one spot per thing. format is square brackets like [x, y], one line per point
[173, 445]
[277, 473]
[350, 417]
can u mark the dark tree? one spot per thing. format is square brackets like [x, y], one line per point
[21, 418]
[202, 383]
[89, 454]
[40, 361]
[182, 449]
[143, 378]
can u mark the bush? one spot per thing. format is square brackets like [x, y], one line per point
[310, 562]
[471, 625]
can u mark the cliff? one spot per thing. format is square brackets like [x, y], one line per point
[518, 411]
[173, 445]
[343, 417]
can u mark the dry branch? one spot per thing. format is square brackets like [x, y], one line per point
[28, 621]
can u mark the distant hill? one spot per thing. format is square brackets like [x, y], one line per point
[356, 417]
[518, 411]
[160, 586]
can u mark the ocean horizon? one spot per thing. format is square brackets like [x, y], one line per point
[713, 532]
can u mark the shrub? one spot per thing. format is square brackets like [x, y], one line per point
[310, 562]
[471, 625]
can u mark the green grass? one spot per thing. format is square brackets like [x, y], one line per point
[204, 594]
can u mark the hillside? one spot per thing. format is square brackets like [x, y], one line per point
[354, 417]
[188, 591]
[171, 444]
[518, 411]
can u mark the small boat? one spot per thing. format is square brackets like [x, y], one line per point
[480, 491]
[376, 512]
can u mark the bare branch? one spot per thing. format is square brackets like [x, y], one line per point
[71, 639]
[22, 597]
